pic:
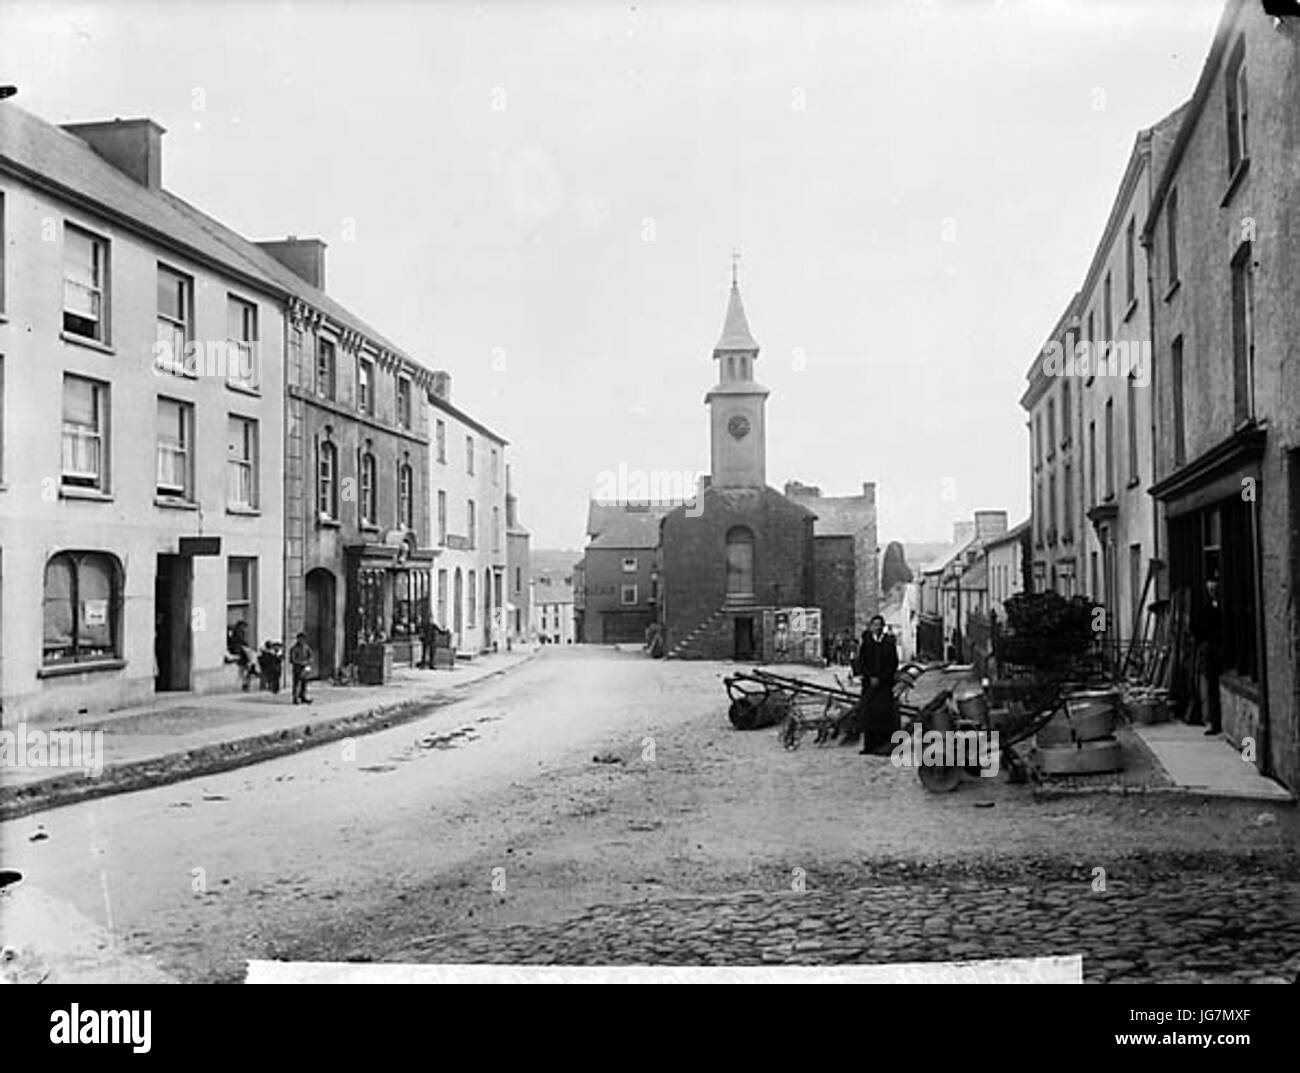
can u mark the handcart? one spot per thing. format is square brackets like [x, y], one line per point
[762, 698]
[1014, 709]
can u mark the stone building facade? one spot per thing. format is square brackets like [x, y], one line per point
[467, 483]
[617, 590]
[1222, 233]
[518, 607]
[358, 559]
[1090, 418]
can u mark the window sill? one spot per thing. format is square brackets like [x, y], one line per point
[1238, 174]
[88, 343]
[1133, 483]
[62, 670]
[1132, 306]
[68, 491]
[1173, 289]
[328, 523]
[242, 511]
[245, 389]
[174, 503]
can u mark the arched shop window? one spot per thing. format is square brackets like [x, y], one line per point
[83, 599]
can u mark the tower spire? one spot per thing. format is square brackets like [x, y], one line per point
[735, 328]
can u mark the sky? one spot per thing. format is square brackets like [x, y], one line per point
[543, 199]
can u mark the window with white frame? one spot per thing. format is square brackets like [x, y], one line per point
[82, 608]
[629, 565]
[241, 596]
[1235, 97]
[369, 491]
[366, 386]
[403, 402]
[469, 455]
[405, 495]
[327, 476]
[442, 519]
[85, 433]
[241, 343]
[627, 594]
[175, 320]
[326, 370]
[469, 521]
[85, 284]
[440, 439]
[241, 463]
[174, 450]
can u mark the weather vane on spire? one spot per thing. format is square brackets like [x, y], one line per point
[735, 260]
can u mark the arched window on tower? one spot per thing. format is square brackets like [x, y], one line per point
[740, 561]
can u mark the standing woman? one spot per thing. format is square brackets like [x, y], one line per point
[877, 664]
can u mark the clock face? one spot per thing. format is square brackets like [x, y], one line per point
[738, 426]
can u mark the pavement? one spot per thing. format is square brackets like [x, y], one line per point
[596, 807]
[1207, 765]
[189, 735]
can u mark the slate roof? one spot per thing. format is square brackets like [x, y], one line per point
[49, 156]
[837, 515]
[617, 522]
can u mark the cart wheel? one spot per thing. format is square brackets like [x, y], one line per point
[791, 733]
[939, 780]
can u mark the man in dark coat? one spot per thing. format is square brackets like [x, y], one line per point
[877, 664]
[1207, 632]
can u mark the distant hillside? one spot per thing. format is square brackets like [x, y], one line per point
[557, 562]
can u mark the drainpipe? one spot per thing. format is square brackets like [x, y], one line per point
[1262, 763]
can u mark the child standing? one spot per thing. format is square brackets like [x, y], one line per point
[300, 657]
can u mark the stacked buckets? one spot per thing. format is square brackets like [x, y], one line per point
[1080, 740]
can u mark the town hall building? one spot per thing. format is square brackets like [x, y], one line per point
[740, 568]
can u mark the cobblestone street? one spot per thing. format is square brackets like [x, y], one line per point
[1202, 929]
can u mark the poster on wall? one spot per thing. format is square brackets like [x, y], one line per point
[797, 635]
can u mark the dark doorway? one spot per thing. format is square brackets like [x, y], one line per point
[318, 622]
[171, 620]
[744, 648]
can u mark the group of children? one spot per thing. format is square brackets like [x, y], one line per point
[268, 664]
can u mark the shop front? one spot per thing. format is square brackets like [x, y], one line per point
[1211, 512]
[387, 605]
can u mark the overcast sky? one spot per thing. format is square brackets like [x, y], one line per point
[543, 200]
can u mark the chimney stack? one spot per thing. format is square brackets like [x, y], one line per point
[442, 384]
[133, 146]
[963, 532]
[304, 257]
[990, 523]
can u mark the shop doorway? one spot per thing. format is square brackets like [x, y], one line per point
[318, 623]
[172, 647]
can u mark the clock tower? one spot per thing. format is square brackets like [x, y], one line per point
[736, 404]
